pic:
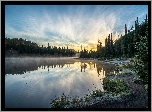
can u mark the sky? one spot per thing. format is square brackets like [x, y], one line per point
[70, 25]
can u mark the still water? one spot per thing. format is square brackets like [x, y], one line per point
[32, 83]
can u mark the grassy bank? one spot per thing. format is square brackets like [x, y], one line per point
[120, 91]
[113, 90]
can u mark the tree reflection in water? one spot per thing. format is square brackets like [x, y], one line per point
[104, 68]
[21, 68]
[49, 78]
[83, 66]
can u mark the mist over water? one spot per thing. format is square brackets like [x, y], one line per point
[33, 82]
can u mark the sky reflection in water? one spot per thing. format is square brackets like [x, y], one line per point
[35, 89]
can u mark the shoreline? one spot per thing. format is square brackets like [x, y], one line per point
[110, 61]
[137, 99]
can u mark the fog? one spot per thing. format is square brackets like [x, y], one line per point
[15, 65]
[30, 63]
[35, 81]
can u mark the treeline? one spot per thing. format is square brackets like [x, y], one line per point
[22, 46]
[87, 54]
[134, 44]
[123, 47]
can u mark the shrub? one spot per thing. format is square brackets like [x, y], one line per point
[116, 87]
[60, 103]
[146, 86]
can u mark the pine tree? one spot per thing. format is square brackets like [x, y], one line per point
[142, 56]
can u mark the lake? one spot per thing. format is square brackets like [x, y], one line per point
[33, 82]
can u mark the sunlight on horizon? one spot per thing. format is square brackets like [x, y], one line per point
[70, 25]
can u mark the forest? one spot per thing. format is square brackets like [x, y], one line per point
[134, 44]
[22, 47]
[123, 47]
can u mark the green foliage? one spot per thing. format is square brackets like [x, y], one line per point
[60, 103]
[123, 47]
[64, 101]
[141, 64]
[146, 86]
[138, 80]
[97, 93]
[116, 87]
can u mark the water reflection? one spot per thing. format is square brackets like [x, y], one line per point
[83, 66]
[104, 68]
[21, 68]
[42, 79]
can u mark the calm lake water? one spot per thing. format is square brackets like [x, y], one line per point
[33, 82]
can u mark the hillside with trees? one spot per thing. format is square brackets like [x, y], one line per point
[123, 47]
[133, 45]
[24, 47]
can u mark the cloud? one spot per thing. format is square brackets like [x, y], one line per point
[75, 26]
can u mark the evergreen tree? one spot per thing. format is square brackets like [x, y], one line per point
[142, 56]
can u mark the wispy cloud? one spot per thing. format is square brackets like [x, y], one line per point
[76, 26]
